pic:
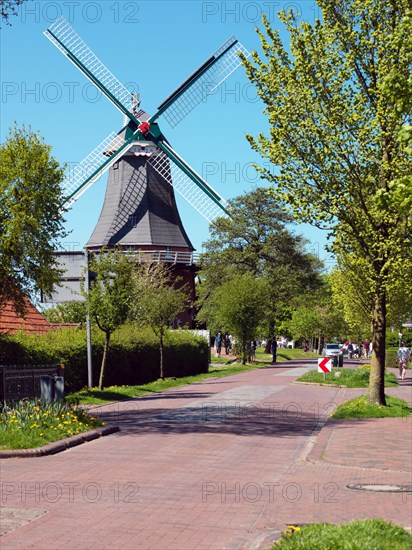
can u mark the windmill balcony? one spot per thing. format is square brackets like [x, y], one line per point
[166, 256]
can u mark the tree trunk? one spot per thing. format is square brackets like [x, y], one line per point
[162, 376]
[376, 380]
[104, 359]
[244, 351]
[271, 335]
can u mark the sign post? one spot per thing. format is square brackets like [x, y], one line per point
[325, 365]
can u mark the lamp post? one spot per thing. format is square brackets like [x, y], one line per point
[400, 338]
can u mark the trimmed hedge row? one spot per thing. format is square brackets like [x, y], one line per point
[133, 356]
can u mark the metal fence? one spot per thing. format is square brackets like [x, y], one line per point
[23, 381]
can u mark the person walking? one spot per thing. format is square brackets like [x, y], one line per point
[218, 344]
[273, 350]
[402, 356]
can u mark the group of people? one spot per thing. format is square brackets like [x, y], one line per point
[227, 341]
[223, 340]
[358, 351]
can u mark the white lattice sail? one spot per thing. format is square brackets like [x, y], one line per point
[90, 169]
[65, 38]
[206, 84]
[187, 188]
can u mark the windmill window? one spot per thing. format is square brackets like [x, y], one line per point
[133, 220]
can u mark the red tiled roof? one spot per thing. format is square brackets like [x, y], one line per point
[11, 322]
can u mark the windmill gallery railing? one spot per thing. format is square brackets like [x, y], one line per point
[170, 257]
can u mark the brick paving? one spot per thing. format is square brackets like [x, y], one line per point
[222, 464]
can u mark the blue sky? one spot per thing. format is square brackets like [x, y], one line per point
[151, 47]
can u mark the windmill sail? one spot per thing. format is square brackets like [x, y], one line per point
[65, 38]
[202, 82]
[188, 183]
[90, 169]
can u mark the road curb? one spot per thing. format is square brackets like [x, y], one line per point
[61, 445]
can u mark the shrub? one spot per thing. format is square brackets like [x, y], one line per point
[390, 358]
[133, 356]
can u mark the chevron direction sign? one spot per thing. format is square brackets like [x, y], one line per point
[324, 365]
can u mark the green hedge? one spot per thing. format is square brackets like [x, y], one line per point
[133, 356]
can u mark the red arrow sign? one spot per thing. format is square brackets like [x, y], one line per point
[324, 365]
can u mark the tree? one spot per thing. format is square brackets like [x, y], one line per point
[31, 217]
[238, 304]
[351, 293]
[9, 8]
[110, 296]
[304, 323]
[158, 301]
[337, 105]
[256, 238]
[316, 316]
[68, 312]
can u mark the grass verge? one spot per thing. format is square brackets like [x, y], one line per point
[368, 534]
[284, 354]
[351, 378]
[29, 424]
[94, 396]
[361, 408]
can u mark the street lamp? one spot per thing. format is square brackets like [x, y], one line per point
[400, 338]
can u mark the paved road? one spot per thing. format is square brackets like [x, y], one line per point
[223, 464]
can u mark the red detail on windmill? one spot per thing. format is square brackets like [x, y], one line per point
[324, 365]
[144, 128]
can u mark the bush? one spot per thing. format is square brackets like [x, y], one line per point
[392, 338]
[133, 356]
[390, 358]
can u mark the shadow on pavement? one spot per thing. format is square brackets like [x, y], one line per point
[263, 419]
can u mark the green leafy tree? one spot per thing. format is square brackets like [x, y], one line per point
[337, 104]
[110, 296]
[305, 323]
[8, 8]
[316, 317]
[68, 312]
[351, 293]
[158, 300]
[31, 217]
[238, 304]
[257, 238]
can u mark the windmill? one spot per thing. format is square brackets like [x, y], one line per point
[139, 211]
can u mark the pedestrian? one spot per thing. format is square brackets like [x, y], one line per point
[350, 349]
[366, 349]
[402, 357]
[218, 344]
[273, 349]
[252, 351]
[227, 343]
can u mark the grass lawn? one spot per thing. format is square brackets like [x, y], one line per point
[360, 408]
[30, 424]
[368, 534]
[284, 354]
[351, 378]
